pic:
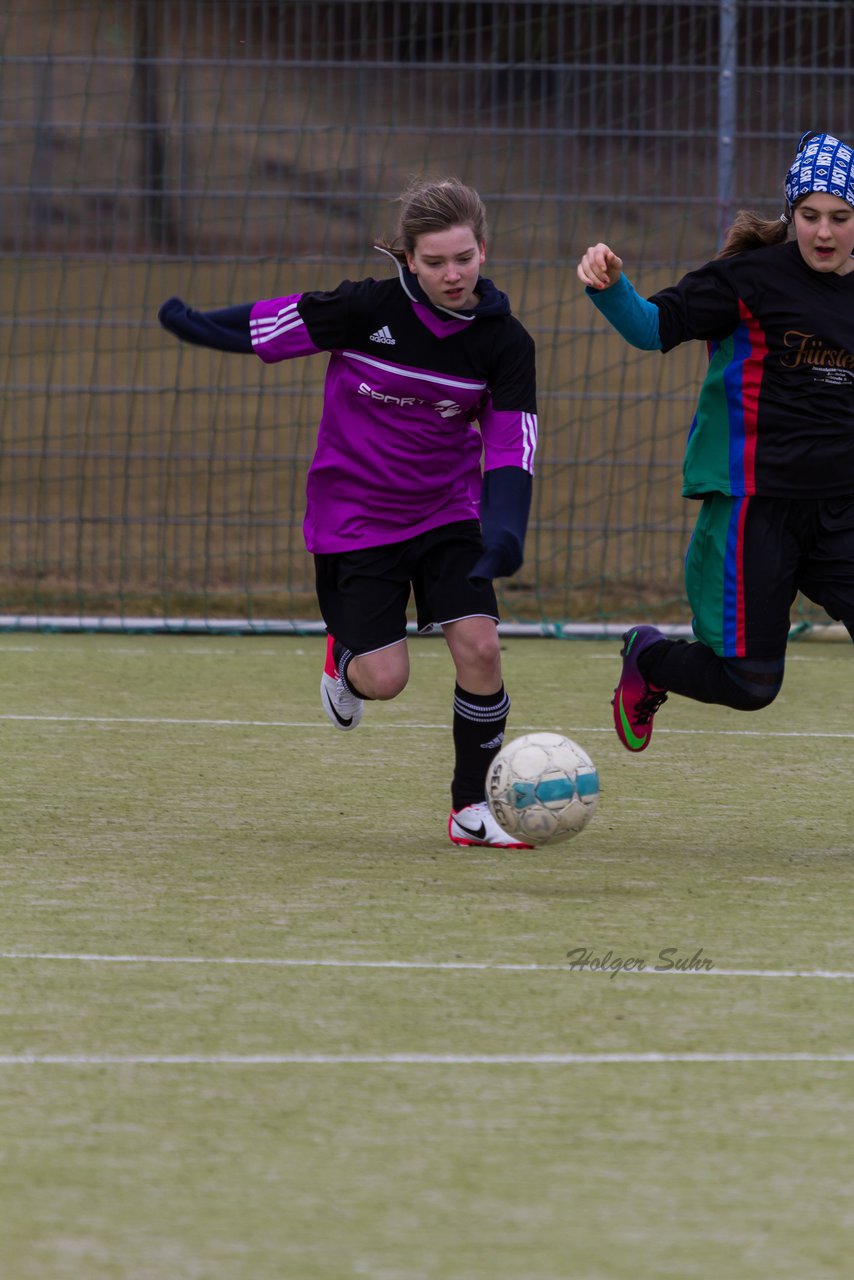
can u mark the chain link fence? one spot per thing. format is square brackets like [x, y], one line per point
[227, 150]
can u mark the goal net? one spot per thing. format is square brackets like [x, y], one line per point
[228, 150]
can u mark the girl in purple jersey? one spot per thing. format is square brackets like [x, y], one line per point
[770, 452]
[428, 373]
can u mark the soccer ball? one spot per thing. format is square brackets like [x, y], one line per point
[542, 788]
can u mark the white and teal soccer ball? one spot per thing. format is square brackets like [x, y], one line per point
[542, 788]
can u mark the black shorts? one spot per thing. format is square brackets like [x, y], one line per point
[363, 595]
[748, 559]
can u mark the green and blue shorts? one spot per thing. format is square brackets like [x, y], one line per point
[749, 557]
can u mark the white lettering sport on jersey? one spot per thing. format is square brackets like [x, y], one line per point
[444, 408]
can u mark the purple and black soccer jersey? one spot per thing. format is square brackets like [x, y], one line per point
[775, 415]
[398, 451]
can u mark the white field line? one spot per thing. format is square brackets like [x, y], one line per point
[442, 965]
[403, 1059]
[406, 725]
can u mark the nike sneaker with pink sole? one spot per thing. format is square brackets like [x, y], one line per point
[635, 701]
[474, 826]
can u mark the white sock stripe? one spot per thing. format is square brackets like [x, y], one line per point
[481, 715]
[477, 708]
[500, 701]
[490, 719]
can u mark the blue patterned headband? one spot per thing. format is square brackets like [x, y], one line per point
[823, 163]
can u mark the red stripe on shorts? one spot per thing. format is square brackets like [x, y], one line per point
[751, 383]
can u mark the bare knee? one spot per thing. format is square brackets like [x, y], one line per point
[383, 686]
[476, 652]
[380, 676]
[485, 659]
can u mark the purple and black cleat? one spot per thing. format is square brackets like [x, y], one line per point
[635, 701]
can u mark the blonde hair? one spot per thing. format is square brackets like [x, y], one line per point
[435, 206]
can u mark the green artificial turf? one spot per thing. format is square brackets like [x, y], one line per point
[261, 1020]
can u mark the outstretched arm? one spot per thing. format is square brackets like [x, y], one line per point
[224, 330]
[611, 292]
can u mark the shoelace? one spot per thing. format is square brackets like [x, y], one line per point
[647, 705]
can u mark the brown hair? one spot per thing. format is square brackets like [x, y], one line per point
[751, 231]
[435, 206]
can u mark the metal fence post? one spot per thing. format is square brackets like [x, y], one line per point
[727, 94]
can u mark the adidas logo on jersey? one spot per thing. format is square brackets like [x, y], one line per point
[383, 335]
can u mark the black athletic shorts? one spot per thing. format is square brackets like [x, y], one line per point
[363, 595]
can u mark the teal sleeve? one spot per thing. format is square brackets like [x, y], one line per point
[634, 317]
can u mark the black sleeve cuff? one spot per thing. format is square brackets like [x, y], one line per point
[224, 330]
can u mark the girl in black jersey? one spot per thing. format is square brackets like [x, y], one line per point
[770, 453]
[428, 373]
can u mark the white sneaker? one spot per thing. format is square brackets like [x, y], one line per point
[475, 825]
[342, 709]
